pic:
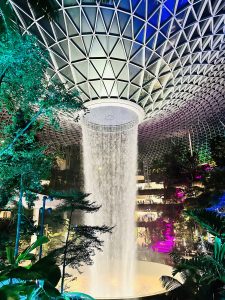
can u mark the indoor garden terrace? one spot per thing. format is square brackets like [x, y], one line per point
[112, 149]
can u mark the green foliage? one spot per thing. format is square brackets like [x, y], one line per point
[74, 200]
[7, 292]
[215, 181]
[208, 220]
[217, 147]
[25, 89]
[203, 274]
[23, 63]
[13, 262]
[170, 283]
[82, 245]
[201, 200]
[26, 95]
[204, 154]
[40, 241]
[177, 164]
[219, 250]
[8, 226]
[24, 85]
[81, 240]
[45, 270]
[32, 165]
[205, 269]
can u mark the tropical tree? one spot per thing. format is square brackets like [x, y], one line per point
[25, 90]
[81, 241]
[26, 95]
[23, 171]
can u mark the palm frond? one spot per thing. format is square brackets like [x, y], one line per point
[170, 283]
[191, 267]
[176, 256]
[210, 221]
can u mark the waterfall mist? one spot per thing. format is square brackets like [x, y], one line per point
[110, 165]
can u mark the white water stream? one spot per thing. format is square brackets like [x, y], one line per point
[110, 165]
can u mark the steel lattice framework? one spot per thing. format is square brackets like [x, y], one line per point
[166, 55]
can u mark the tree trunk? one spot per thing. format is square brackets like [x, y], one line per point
[20, 203]
[65, 252]
[3, 75]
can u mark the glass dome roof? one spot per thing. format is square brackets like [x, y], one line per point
[165, 55]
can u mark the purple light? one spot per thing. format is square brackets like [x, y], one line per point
[167, 244]
[207, 168]
[179, 193]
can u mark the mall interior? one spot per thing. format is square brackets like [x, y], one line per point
[123, 102]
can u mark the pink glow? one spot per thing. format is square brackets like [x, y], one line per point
[207, 167]
[166, 245]
[179, 193]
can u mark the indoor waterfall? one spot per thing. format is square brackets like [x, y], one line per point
[110, 165]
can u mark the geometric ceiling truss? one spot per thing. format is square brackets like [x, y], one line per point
[168, 56]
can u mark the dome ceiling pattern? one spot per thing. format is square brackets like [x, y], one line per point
[165, 55]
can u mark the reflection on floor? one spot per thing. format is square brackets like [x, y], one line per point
[146, 282]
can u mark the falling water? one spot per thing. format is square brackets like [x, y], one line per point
[110, 164]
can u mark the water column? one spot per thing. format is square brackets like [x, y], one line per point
[110, 165]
